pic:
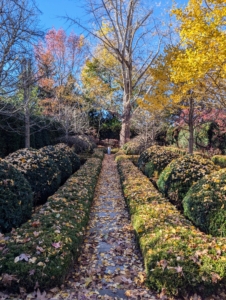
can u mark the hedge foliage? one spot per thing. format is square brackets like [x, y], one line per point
[178, 176]
[153, 160]
[60, 158]
[80, 143]
[137, 145]
[16, 197]
[219, 160]
[40, 171]
[205, 203]
[43, 249]
[178, 257]
[75, 161]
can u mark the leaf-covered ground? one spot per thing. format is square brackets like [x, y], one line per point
[110, 265]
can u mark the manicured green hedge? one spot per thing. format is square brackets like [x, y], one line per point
[178, 258]
[75, 161]
[16, 198]
[153, 160]
[60, 158]
[40, 171]
[136, 145]
[176, 179]
[43, 249]
[205, 203]
[219, 160]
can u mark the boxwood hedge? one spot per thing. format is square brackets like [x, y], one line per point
[40, 171]
[155, 159]
[16, 200]
[219, 160]
[178, 257]
[43, 249]
[205, 203]
[74, 158]
[60, 158]
[178, 176]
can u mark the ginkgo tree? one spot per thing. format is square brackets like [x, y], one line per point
[203, 39]
[127, 30]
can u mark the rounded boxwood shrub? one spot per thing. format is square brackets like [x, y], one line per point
[40, 171]
[75, 161]
[176, 179]
[205, 203]
[61, 159]
[146, 155]
[16, 200]
[219, 160]
[157, 158]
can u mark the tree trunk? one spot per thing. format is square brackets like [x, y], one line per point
[27, 130]
[191, 126]
[125, 129]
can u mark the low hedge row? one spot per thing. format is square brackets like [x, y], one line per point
[75, 162]
[219, 160]
[178, 258]
[43, 249]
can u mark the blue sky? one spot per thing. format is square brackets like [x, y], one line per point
[52, 9]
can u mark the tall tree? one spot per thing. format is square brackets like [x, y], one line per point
[125, 28]
[18, 31]
[59, 57]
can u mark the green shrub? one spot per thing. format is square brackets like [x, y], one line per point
[133, 158]
[219, 160]
[40, 171]
[137, 145]
[155, 159]
[178, 257]
[176, 179]
[43, 249]
[75, 161]
[16, 198]
[205, 203]
[60, 158]
[177, 150]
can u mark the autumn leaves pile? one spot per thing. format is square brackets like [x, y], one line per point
[179, 258]
[40, 251]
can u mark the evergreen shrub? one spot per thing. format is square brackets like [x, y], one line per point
[75, 161]
[178, 176]
[219, 160]
[16, 197]
[60, 158]
[205, 203]
[155, 159]
[40, 171]
[179, 259]
[43, 250]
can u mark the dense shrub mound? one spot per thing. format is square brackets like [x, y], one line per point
[16, 198]
[75, 161]
[43, 250]
[60, 158]
[155, 159]
[205, 203]
[80, 143]
[176, 179]
[219, 160]
[178, 257]
[40, 171]
[137, 145]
